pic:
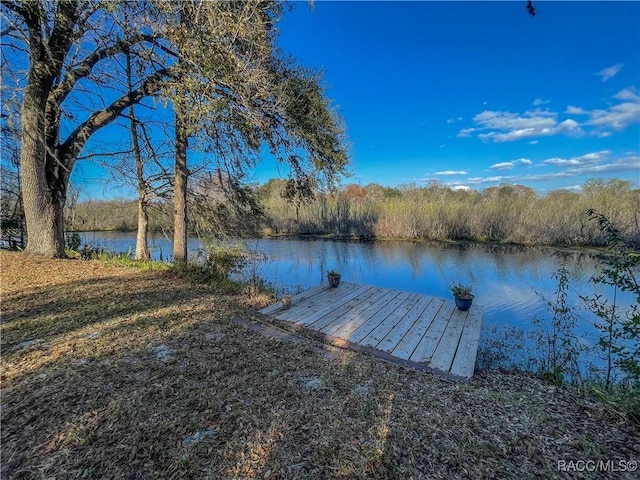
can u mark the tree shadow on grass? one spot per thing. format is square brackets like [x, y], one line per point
[214, 400]
[55, 311]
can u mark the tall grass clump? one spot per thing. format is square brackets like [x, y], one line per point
[214, 265]
[228, 266]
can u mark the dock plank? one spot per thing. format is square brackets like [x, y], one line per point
[442, 357]
[295, 298]
[336, 302]
[383, 328]
[344, 331]
[465, 359]
[301, 309]
[410, 341]
[337, 320]
[400, 330]
[345, 311]
[424, 350]
[367, 327]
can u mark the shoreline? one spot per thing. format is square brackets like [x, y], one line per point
[590, 249]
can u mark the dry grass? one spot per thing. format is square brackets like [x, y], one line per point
[136, 375]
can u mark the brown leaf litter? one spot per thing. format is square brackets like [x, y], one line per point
[110, 372]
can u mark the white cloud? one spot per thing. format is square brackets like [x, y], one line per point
[511, 121]
[559, 161]
[450, 121]
[508, 137]
[568, 125]
[587, 159]
[452, 172]
[511, 164]
[533, 142]
[539, 101]
[595, 156]
[505, 126]
[628, 93]
[624, 164]
[498, 178]
[508, 126]
[466, 132]
[571, 110]
[503, 166]
[461, 187]
[617, 117]
[609, 72]
[566, 169]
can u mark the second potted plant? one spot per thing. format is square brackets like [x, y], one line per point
[462, 295]
[334, 278]
[286, 302]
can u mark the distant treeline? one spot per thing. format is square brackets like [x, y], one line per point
[121, 215]
[506, 213]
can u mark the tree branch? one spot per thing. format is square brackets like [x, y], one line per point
[103, 154]
[84, 68]
[78, 138]
[62, 35]
[19, 9]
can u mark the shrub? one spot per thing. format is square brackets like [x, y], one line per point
[73, 241]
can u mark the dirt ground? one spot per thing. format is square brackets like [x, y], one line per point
[113, 372]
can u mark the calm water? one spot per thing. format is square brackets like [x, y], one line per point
[505, 278]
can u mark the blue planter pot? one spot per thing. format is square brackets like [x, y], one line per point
[463, 303]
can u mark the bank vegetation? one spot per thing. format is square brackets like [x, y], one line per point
[505, 214]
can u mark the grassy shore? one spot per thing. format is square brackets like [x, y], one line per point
[113, 372]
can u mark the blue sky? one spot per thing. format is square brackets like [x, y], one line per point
[470, 94]
[475, 94]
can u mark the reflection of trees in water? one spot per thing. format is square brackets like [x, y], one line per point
[494, 269]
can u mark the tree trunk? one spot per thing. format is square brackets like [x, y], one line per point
[43, 204]
[142, 244]
[180, 190]
[142, 248]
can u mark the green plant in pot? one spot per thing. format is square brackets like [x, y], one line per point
[462, 295]
[334, 278]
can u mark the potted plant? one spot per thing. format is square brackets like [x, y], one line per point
[286, 302]
[334, 278]
[462, 295]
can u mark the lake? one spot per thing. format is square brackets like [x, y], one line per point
[509, 282]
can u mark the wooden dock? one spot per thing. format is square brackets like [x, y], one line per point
[417, 330]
